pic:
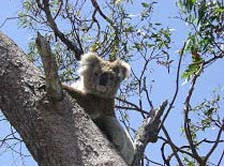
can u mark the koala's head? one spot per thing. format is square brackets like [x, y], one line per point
[102, 77]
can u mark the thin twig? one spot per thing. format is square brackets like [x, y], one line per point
[45, 7]
[177, 86]
[163, 154]
[131, 108]
[7, 19]
[172, 146]
[133, 105]
[221, 158]
[215, 144]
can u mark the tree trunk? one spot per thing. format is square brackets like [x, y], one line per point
[59, 133]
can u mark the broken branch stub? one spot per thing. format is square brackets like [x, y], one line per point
[53, 84]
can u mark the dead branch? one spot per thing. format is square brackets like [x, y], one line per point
[148, 132]
[53, 84]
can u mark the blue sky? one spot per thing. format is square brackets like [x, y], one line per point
[213, 77]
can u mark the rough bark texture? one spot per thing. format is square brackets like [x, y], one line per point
[55, 134]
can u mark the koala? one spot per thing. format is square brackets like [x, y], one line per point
[95, 92]
[100, 77]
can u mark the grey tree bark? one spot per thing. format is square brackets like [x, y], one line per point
[58, 133]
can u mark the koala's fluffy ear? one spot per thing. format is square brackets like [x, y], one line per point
[89, 59]
[124, 69]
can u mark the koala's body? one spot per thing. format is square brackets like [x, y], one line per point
[95, 91]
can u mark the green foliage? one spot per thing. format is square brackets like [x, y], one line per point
[145, 5]
[186, 5]
[148, 7]
[153, 38]
[26, 20]
[208, 113]
[206, 36]
[188, 161]
[193, 68]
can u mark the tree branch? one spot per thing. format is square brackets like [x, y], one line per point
[187, 121]
[132, 104]
[177, 86]
[96, 6]
[173, 147]
[148, 132]
[55, 133]
[221, 158]
[45, 7]
[215, 144]
[53, 84]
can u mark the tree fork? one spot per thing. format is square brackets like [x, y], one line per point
[59, 133]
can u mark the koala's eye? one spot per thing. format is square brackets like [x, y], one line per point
[96, 74]
[116, 70]
[111, 77]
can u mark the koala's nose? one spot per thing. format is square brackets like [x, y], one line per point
[105, 79]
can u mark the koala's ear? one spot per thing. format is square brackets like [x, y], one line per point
[124, 69]
[89, 58]
[88, 61]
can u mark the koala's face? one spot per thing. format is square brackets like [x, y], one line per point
[102, 77]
